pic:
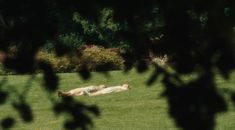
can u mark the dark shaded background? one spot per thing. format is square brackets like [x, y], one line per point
[198, 35]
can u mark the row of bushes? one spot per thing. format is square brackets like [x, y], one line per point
[95, 58]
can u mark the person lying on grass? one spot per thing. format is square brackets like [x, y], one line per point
[113, 89]
[81, 91]
[100, 91]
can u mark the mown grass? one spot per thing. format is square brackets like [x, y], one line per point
[141, 108]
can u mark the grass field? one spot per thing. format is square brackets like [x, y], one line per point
[141, 108]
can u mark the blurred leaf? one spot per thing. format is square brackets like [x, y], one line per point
[24, 110]
[3, 97]
[7, 122]
[84, 73]
[50, 78]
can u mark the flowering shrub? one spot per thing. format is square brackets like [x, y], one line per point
[97, 58]
[162, 61]
[59, 64]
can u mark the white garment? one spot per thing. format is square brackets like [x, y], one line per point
[107, 90]
[84, 90]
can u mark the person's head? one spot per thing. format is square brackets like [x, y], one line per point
[126, 86]
[61, 94]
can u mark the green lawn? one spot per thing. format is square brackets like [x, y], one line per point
[141, 108]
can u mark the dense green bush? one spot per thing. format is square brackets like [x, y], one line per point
[59, 64]
[97, 58]
[70, 41]
[73, 40]
[102, 32]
